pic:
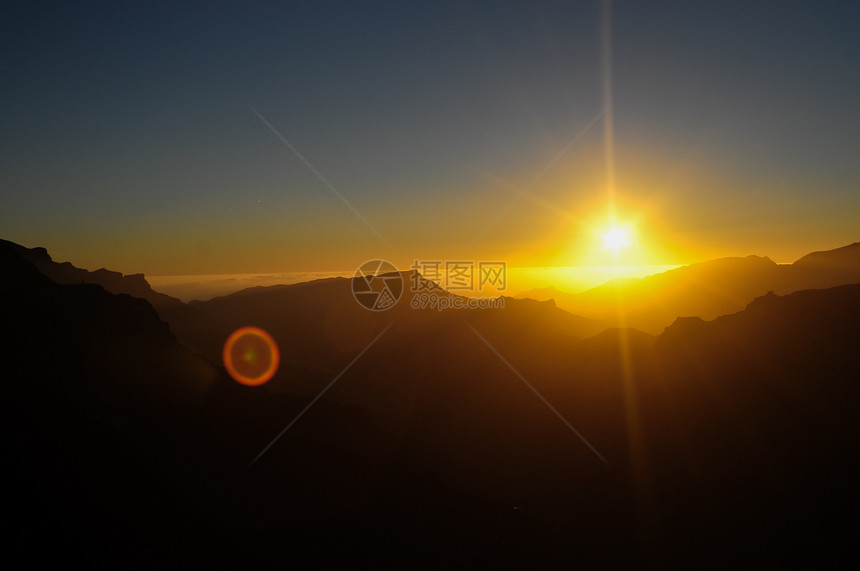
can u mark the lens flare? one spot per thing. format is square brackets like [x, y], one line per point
[251, 356]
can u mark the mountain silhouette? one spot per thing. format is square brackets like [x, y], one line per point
[459, 438]
[114, 282]
[194, 328]
[763, 404]
[319, 325]
[91, 388]
[824, 269]
[706, 289]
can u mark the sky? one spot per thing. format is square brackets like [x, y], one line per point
[217, 138]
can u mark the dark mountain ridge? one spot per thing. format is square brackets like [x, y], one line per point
[726, 440]
[114, 282]
[707, 289]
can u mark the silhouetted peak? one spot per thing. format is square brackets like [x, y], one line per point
[138, 279]
[133, 349]
[685, 325]
[275, 289]
[731, 263]
[30, 254]
[769, 297]
[66, 273]
[41, 253]
[109, 280]
[105, 273]
[814, 308]
[18, 274]
[844, 256]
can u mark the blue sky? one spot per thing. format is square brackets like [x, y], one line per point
[128, 139]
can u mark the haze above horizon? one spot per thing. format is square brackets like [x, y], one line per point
[569, 280]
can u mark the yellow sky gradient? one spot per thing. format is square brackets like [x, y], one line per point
[681, 212]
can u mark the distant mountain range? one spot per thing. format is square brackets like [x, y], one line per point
[706, 289]
[460, 438]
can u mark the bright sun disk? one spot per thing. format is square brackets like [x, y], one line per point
[616, 238]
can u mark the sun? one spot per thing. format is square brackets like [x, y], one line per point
[617, 238]
[610, 240]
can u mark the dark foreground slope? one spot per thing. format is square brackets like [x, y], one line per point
[754, 433]
[91, 383]
[148, 450]
[183, 318]
[725, 442]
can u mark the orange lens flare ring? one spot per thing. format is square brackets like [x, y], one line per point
[251, 356]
